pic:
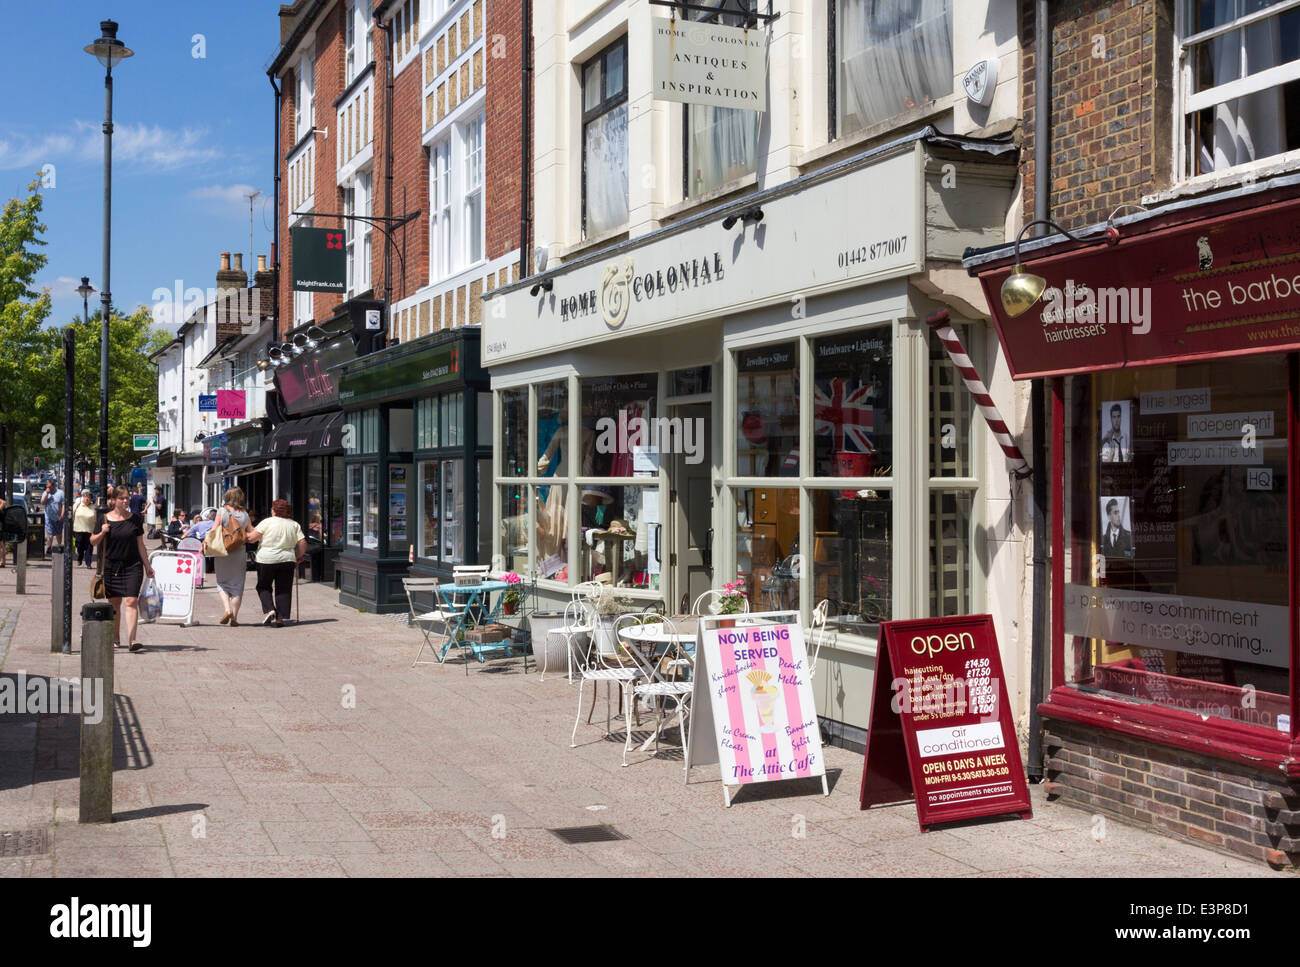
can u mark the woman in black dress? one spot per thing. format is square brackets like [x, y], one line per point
[126, 562]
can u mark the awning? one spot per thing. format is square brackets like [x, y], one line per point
[245, 469]
[311, 436]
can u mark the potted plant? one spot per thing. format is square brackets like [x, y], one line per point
[608, 608]
[732, 601]
[514, 595]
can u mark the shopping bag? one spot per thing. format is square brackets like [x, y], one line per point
[213, 544]
[151, 602]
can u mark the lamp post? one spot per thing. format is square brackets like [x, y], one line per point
[108, 50]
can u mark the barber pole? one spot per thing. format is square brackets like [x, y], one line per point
[957, 353]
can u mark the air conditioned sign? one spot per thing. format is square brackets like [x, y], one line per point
[699, 63]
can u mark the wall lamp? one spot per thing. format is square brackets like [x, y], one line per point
[1021, 289]
[546, 286]
[751, 215]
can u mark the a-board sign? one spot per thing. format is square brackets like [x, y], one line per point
[752, 705]
[173, 573]
[941, 729]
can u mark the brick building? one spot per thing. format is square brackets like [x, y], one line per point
[1166, 331]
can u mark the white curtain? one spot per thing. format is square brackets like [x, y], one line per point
[894, 55]
[1249, 127]
[723, 144]
[606, 172]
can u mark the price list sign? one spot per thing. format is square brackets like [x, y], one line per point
[941, 727]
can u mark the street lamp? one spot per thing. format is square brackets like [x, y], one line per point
[84, 290]
[108, 50]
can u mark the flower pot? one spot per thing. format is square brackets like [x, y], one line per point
[725, 623]
[606, 643]
[510, 607]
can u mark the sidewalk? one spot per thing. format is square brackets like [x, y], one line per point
[237, 756]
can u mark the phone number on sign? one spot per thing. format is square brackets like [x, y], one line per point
[876, 250]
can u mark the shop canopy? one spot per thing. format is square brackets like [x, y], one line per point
[311, 436]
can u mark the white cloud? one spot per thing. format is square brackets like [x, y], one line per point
[31, 152]
[64, 287]
[134, 145]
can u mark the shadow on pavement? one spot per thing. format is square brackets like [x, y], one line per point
[151, 811]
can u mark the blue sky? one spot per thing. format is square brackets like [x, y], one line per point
[192, 137]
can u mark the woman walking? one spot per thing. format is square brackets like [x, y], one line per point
[281, 545]
[232, 569]
[126, 563]
[83, 524]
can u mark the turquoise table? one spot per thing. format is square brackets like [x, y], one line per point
[479, 600]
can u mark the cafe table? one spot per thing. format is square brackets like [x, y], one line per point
[652, 639]
[477, 600]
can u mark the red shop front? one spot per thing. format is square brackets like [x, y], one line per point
[1169, 345]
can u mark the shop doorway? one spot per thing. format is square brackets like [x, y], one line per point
[691, 504]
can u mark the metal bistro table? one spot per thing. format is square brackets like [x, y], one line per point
[479, 602]
[655, 641]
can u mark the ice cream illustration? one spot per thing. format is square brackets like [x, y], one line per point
[765, 695]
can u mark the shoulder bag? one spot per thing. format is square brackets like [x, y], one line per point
[213, 544]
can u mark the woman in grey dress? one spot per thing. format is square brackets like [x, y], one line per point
[233, 568]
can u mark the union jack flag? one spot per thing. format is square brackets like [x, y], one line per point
[845, 414]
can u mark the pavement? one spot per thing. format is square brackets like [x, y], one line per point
[318, 750]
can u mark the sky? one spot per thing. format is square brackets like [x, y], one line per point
[193, 116]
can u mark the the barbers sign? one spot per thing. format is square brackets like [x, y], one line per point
[699, 63]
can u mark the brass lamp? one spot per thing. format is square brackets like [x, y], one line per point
[1022, 288]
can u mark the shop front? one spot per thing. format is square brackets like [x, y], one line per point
[247, 467]
[729, 398]
[418, 447]
[1171, 356]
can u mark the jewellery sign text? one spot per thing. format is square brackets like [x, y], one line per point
[699, 63]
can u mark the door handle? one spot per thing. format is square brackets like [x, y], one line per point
[659, 529]
[707, 553]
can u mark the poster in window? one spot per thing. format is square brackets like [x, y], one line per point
[1116, 527]
[1117, 431]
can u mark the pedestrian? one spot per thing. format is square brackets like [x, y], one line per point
[232, 570]
[281, 545]
[137, 500]
[126, 563]
[83, 525]
[53, 502]
[202, 524]
[160, 507]
[175, 530]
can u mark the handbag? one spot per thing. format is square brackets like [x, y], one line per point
[232, 535]
[214, 544]
[98, 592]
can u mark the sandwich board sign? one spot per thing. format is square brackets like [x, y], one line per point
[173, 573]
[941, 730]
[752, 705]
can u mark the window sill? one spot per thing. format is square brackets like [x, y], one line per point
[668, 213]
[1239, 176]
[877, 132]
[587, 245]
[1254, 745]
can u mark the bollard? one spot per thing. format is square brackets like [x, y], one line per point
[97, 738]
[56, 604]
[20, 564]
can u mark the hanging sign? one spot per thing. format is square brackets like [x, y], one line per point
[173, 573]
[700, 63]
[941, 729]
[207, 402]
[230, 404]
[752, 686]
[318, 260]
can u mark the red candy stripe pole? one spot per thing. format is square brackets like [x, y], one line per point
[957, 353]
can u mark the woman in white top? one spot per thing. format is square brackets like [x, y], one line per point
[280, 547]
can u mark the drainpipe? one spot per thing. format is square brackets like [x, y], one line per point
[1037, 398]
[388, 157]
[525, 180]
[275, 219]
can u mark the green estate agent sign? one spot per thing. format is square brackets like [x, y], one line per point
[319, 264]
[412, 374]
[144, 441]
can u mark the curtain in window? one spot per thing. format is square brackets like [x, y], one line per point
[606, 171]
[1248, 127]
[894, 55]
[723, 140]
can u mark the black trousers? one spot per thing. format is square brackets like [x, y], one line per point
[84, 555]
[279, 577]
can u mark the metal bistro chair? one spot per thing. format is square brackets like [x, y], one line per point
[426, 619]
[592, 669]
[579, 620]
[817, 632]
[658, 681]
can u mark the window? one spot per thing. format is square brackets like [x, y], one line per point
[304, 104]
[406, 30]
[604, 141]
[456, 200]
[719, 142]
[440, 211]
[891, 57]
[358, 39]
[473, 210]
[430, 475]
[1240, 81]
[356, 201]
[767, 406]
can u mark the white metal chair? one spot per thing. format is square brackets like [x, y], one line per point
[712, 600]
[579, 620]
[817, 633]
[658, 682]
[426, 619]
[592, 669]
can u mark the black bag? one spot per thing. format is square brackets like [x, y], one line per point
[13, 525]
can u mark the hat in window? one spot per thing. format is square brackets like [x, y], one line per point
[751, 424]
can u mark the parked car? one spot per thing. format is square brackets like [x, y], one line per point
[20, 493]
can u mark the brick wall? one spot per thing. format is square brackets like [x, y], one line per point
[1204, 800]
[504, 125]
[410, 179]
[1111, 112]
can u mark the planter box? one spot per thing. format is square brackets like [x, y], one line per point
[485, 634]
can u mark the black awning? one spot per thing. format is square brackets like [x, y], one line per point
[243, 469]
[311, 436]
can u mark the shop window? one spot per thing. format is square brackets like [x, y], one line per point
[617, 424]
[1241, 75]
[361, 432]
[513, 527]
[453, 420]
[483, 508]
[951, 410]
[852, 385]
[767, 406]
[426, 423]
[852, 559]
[356, 498]
[618, 531]
[551, 514]
[513, 442]
[767, 546]
[890, 58]
[335, 502]
[453, 511]
[950, 552]
[370, 509]
[399, 481]
[695, 381]
[552, 430]
[317, 498]
[430, 477]
[1177, 537]
[604, 141]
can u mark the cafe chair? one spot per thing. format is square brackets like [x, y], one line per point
[579, 622]
[430, 620]
[817, 633]
[658, 680]
[592, 669]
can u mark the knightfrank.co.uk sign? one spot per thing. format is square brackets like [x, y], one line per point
[698, 63]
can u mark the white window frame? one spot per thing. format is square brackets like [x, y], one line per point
[1190, 104]
[304, 106]
[474, 131]
[357, 26]
[406, 33]
[440, 208]
[303, 309]
[451, 242]
[358, 199]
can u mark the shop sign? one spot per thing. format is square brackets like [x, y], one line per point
[941, 729]
[412, 374]
[701, 63]
[215, 453]
[307, 383]
[207, 402]
[230, 404]
[763, 720]
[867, 225]
[1214, 627]
[1221, 286]
[318, 260]
[173, 573]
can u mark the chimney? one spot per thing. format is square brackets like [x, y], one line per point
[228, 278]
[264, 283]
